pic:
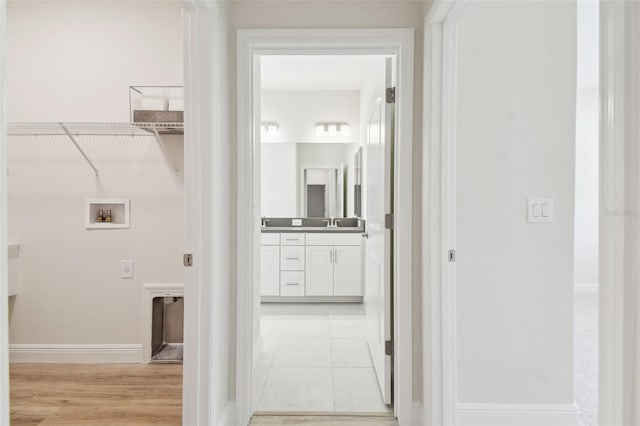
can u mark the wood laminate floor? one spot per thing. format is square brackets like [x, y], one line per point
[124, 394]
[102, 394]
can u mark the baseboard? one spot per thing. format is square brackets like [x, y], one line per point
[517, 415]
[228, 418]
[418, 413]
[584, 288]
[75, 354]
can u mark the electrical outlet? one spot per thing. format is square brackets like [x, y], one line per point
[126, 269]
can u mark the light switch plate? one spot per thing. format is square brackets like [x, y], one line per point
[539, 210]
[126, 269]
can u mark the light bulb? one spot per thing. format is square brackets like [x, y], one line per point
[333, 129]
[319, 129]
[344, 130]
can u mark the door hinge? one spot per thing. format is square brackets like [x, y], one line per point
[187, 260]
[388, 221]
[388, 347]
[452, 255]
[391, 95]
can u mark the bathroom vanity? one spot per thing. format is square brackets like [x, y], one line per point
[318, 260]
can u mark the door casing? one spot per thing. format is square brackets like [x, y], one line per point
[251, 44]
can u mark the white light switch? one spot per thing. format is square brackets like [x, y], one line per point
[539, 210]
[126, 268]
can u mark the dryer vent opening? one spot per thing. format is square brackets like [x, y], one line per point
[167, 329]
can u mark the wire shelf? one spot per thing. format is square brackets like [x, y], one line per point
[75, 130]
[93, 129]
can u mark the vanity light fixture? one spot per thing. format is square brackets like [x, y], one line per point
[332, 129]
[270, 129]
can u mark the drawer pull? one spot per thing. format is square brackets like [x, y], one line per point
[293, 283]
[292, 239]
[291, 258]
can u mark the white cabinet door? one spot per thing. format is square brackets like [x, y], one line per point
[270, 271]
[347, 271]
[319, 271]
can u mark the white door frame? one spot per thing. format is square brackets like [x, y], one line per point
[250, 44]
[438, 206]
[207, 210]
[619, 241]
[4, 238]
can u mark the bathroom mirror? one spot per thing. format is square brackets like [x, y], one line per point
[307, 179]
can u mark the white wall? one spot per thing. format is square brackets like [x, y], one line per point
[338, 14]
[515, 129]
[587, 146]
[71, 290]
[279, 179]
[298, 112]
[74, 61]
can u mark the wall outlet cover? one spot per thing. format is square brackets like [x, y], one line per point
[126, 268]
[296, 222]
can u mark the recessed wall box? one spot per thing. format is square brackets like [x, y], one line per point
[120, 213]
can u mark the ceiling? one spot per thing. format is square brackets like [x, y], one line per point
[315, 72]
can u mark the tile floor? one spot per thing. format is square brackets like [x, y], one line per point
[315, 359]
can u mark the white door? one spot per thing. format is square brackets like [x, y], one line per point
[319, 271]
[270, 271]
[378, 173]
[346, 271]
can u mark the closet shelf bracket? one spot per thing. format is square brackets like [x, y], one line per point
[75, 142]
[165, 153]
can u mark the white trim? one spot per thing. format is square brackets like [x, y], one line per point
[149, 292]
[618, 295]
[335, 41]
[418, 413]
[75, 353]
[517, 414]
[439, 296]
[207, 194]
[584, 288]
[4, 239]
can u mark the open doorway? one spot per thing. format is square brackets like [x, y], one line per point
[323, 296]
[320, 266]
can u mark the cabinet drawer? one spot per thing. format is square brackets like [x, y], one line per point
[290, 239]
[321, 239]
[292, 258]
[270, 239]
[292, 283]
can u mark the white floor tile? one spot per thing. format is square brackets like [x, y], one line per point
[306, 327]
[303, 353]
[306, 309]
[348, 328]
[268, 351]
[356, 390]
[298, 389]
[260, 375]
[350, 353]
[347, 309]
[270, 327]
